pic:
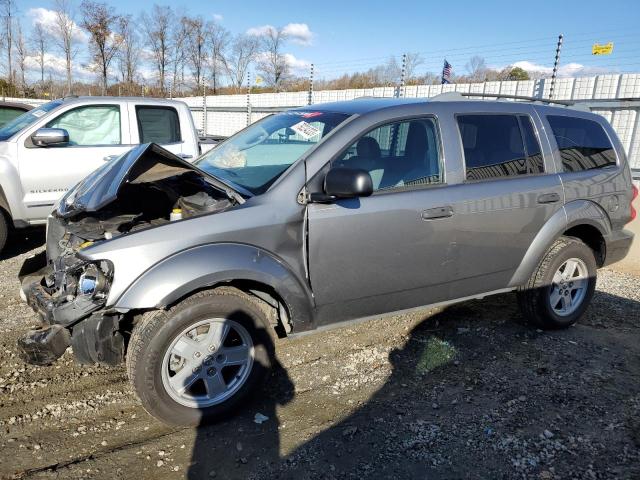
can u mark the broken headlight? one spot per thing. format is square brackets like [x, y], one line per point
[93, 282]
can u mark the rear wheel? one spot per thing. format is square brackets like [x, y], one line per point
[198, 361]
[560, 289]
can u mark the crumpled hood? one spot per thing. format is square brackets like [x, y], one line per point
[144, 163]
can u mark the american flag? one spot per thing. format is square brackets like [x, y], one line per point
[446, 72]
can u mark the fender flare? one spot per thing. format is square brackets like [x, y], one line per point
[577, 212]
[207, 265]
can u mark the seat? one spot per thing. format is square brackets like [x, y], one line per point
[368, 157]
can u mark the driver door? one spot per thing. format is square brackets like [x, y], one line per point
[97, 133]
[389, 251]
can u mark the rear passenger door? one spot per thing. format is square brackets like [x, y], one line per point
[159, 124]
[510, 190]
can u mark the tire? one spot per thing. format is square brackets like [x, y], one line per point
[544, 300]
[155, 370]
[4, 229]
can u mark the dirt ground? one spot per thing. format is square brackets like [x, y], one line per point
[469, 392]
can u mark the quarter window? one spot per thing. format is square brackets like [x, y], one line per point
[583, 144]
[499, 146]
[158, 125]
[91, 126]
[397, 155]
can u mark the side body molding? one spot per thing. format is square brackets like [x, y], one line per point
[207, 265]
[577, 212]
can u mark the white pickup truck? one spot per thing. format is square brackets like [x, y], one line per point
[49, 149]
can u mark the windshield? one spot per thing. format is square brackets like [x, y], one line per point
[254, 158]
[26, 119]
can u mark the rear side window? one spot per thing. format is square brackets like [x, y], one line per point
[583, 144]
[158, 124]
[499, 146]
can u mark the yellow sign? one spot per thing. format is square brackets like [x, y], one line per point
[258, 80]
[605, 49]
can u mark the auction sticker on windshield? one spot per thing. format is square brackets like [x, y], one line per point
[305, 130]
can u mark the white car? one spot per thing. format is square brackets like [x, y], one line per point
[49, 149]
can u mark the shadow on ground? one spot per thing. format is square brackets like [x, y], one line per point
[23, 240]
[473, 393]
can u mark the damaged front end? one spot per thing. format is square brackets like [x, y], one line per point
[69, 293]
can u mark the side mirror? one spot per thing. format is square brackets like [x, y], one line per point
[342, 182]
[50, 137]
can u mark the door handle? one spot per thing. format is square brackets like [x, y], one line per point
[108, 158]
[184, 156]
[549, 198]
[437, 212]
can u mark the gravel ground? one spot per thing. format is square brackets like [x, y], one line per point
[469, 392]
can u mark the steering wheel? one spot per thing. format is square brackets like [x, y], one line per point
[259, 137]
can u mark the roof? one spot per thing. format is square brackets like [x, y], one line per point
[21, 106]
[365, 105]
[362, 105]
[150, 100]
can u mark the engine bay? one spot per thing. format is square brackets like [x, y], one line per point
[146, 204]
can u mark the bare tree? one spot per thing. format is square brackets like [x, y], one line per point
[65, 27]
[413, 61]
[477, 68]
[157, 27]
[8, 12]
[218, 43]
[99, 22]
[39, 42]
[128, 56]
[272, 62]
[21, 54]
[196, 40]
[242, 53]
[177, 57]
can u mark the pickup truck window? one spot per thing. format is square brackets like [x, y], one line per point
[26, 119]
[255, 157]
[158, 124]
[9, 113]
[90, 126]
[499, 146]
[583, 144]
[398, 155]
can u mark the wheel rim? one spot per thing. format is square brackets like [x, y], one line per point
[207, 363]
[569, 287]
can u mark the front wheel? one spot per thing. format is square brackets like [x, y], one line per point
[199, 360]
[560, 289]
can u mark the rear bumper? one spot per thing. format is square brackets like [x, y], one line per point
[617, 244]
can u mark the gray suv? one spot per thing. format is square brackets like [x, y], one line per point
[316, 216]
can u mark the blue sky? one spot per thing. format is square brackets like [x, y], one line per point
[348, 36]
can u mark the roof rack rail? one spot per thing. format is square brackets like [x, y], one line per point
[566, 103]
[453, 96]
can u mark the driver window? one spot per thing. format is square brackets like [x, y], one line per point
[91, 126]
[398, 155]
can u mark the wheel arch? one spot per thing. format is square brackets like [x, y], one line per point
[245, 267]
[582, 219]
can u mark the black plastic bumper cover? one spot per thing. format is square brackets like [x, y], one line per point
[44, 346]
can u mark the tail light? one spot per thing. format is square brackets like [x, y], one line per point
[634, 195]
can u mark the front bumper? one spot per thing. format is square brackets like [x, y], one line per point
[63, 322]
[51, 309]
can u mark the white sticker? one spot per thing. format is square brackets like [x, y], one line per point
[305, 130]
[38, 113]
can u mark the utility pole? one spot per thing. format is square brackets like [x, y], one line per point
[204, 107]
[310, 101]
[248, 98]
[555, 67]
[403, 73]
